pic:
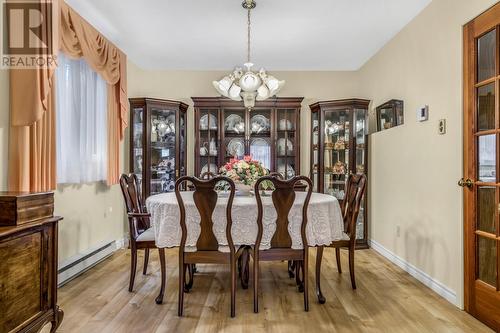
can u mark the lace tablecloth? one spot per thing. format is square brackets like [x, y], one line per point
[324, 220]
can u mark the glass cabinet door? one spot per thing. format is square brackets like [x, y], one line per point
[315, 150]
[337, 125]
[359, 134]
[286, 144]
[234, 133]
[209, 133]
[162, 150]
[182, 144]
[260, 136]
[137, 144]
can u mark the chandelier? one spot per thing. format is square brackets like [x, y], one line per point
[248, 86]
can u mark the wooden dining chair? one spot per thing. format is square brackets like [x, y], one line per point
[207, 247]
[350, 207]
[283, 197]
[140, 232]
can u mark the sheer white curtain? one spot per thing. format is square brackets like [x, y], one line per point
[81, 122]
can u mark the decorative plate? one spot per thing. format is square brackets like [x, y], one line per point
[204, 122]
[234, 123]
[285, 125]
[259, 123]
[236, 147]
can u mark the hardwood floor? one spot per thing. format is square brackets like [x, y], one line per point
[387, 300]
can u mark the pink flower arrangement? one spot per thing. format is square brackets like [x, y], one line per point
[245, 171]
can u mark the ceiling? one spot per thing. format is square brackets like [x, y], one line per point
[286, 35]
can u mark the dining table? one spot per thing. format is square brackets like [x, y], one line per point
[324, 221]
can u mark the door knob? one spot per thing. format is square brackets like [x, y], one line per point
[465, 183]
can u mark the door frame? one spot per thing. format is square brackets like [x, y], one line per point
[473, 29]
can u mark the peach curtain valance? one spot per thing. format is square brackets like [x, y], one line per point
[77, 39]
[32, 132]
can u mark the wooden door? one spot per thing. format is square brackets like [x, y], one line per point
[481, 167]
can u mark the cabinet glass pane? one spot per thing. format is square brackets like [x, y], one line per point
[162, 151]
[315, 150]
[487, 260]
[336, 151]
[486, 205]
[360, 135]
[208, 141]
[387, 118]
[260, 136]
[486, 107]
[137, 154]
[486, 56]
[234, 122]
[286, 120]
[182, 146]
[260, 150]
[487, 158]
[260, 123]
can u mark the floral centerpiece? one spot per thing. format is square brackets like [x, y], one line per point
[245, 173]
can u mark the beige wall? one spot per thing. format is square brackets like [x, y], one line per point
[182, 85]
[414, 170]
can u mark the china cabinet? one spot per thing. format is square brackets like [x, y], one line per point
[157, 143]
[390, 114]
[270, 132]
[339, 146]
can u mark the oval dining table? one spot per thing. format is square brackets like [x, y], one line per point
[325, 223]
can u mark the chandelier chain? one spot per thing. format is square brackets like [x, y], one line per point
[248, 35]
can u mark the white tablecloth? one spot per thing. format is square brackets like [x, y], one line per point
[324, 220]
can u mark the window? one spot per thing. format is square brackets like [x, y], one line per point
[81, 122]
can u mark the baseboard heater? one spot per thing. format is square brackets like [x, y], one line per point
[77, 265]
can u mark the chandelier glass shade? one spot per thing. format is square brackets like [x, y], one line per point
[245, 84]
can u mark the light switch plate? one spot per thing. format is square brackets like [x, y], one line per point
[442, 126]
[423, 113]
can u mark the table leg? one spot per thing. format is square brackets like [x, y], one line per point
[319, 259]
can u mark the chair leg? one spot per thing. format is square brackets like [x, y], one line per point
[299, 278]
[180, 306]
[146, 259]
[319, 259]
[256, 281]
[190, 275]
[337, 255]
[133, 267]
[233, 286]
[351, 266]
[291, 267]
[305, 280]
[161, 252]
[244, 272]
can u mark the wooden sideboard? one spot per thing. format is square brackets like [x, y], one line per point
[28, 265]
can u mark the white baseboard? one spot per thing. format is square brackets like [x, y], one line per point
[426, 279]
[76, 265]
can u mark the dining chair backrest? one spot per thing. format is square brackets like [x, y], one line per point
[283, 197]
[355, 189]
[134, 204]
[205, 199]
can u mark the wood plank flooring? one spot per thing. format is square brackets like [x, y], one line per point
[387, 300]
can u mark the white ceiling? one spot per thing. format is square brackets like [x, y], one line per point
[287, 34]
